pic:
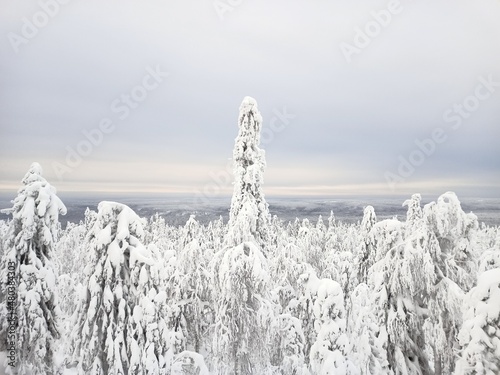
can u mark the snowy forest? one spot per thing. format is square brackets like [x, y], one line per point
[120, 294]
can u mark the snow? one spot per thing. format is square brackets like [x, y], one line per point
[104, 236]
[480, 333]
[488, 287]
[115, 254]
[189, 362]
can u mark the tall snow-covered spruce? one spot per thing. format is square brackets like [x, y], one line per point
[240, 269]
[119, 325]
[249, 215]
[28, 276]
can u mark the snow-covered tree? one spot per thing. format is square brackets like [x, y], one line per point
[311, 239]
[384, 236]
[480, 334]
[285, 268]
[28, 277]
[240, 268]
[118, 323]
[448, 236]
[366, 246]
[69, 257]
[189, 363]
[369, 339]
[242, 309]
[455, 232]
[330, 353]
[340, 258]
[490, 259]
[190, 285]
[290, 342]
[249, 214]
[398, 280]
[414, 213]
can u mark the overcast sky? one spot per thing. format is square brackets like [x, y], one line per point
[162, 81]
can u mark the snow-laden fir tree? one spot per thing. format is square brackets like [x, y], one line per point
[480, 334]
[119, 326]
[340, 259]
[70, 256]
[249, 214]
[448, 236]
[414, 212]
[491, 257]
[28, 276]
[455, 232]
[330, 353]
[396, 280]
[290, 342]
[369, 339]
[190, 287]
[242, 310]
[286, 266]
[240, 269]
[311, 239]
[366, 246]
[319, 306]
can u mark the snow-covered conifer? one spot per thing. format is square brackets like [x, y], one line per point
[242, 309]
[480, 334]
[366, 246]
[190, 284]
[339, 257]
[240, 269]
[311, 240]
[249, 215]
[320, 308]
[187, 363]
[446, 239]
[28, 276]
[331, 351]
[400, 276]
[384, 236]
[414, 213]
[455, 232]
[117, 326]
[290, 342]
[368, 338]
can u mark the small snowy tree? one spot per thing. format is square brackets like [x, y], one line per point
[28, 277]
[249, 215]
[340, 259]
[290, 342]
[70, 256]
[330, 354]
[480, 334]
[455, 232]
[366, 246]
[118, 328]
[414, 213]
[312, 242]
